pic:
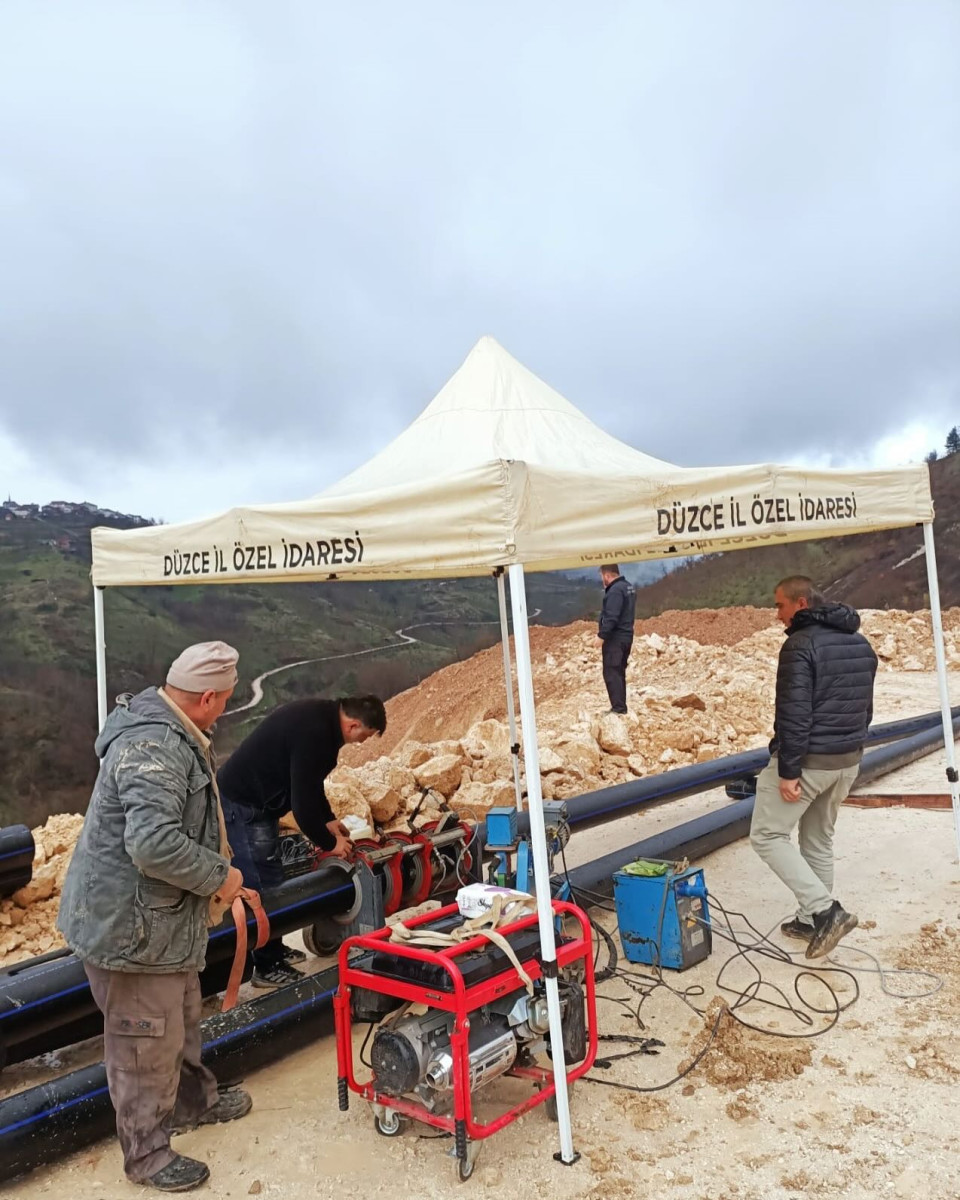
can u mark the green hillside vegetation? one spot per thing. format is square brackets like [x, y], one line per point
[47, 673]
[47, 667]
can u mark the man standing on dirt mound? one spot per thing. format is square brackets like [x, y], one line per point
[824, 706]
[616, 633]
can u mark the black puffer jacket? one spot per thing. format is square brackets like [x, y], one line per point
[824, 689]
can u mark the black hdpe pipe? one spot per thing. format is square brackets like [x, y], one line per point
[56, 1118]
[607, 804]
[908, 750]
[16, 858]
[69, 1113]
[693, 839]
[45, 1003]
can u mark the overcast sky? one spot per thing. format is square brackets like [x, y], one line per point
[243, 244]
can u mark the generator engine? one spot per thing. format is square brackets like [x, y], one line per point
[412, 1056]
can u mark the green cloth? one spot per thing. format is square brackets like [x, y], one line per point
[643, 866]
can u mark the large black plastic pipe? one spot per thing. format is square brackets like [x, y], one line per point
[16, 858]
[45, 1122]
[693, 839]
[899, 754]
[607, 804]
[46, 1003]
[69, 1113]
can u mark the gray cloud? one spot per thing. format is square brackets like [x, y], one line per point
[727, 232]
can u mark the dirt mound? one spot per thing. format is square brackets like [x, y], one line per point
[709, 626]
[28, 917]
[700, 686]
[701, 689]
[740, 1056]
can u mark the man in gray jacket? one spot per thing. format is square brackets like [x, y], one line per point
[151, 866]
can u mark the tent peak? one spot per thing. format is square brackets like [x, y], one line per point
[492, 409]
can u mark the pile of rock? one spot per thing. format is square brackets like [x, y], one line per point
[28, 917]
[689, 703]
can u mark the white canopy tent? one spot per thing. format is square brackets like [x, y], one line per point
[500, 471]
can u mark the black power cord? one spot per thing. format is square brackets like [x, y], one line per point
[804, 1008]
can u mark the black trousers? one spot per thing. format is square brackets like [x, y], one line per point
[615, 655]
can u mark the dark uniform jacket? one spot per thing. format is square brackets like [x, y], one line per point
[619, 607]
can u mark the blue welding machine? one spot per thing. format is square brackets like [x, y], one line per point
[663, 917]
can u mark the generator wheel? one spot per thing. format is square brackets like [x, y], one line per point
[464, 1169]
[389, 1124]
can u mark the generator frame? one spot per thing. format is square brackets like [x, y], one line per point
[460, 1002]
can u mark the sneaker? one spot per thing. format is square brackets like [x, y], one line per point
[803, 931]
[182, 1175]
[829, 928]
[231, 1104]
[278, 976]
[291, 956]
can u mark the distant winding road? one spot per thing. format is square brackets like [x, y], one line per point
[403, 639]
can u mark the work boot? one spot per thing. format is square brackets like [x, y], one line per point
[182, 1175]
[829, 927]
[803, 931]
[231, 1104]
[276, 976]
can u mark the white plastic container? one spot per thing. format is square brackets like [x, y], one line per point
[477, 898]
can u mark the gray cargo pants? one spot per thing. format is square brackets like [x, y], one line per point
[807, 870]
[151, 1049]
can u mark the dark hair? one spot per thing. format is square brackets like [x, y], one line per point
[368, 710]
[801, 587]
[609, 569]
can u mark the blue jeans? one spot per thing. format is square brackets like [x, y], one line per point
[255, 842]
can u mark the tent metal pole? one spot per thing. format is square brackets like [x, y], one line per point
[933, 587]
[541, 868]
[101, 645]
[508, 681]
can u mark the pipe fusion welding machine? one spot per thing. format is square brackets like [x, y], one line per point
[662, 913]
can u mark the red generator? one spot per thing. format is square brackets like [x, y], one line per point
[478, 1022]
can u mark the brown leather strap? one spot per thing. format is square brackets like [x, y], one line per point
[252, 899]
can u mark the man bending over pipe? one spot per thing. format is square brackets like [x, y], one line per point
[278, 769]
[150, 871]
[824, 707]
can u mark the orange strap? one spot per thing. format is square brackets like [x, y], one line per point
[252, 899]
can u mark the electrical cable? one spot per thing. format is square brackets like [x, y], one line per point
[885, 972]
[363, 1048]
[760, 990]
[764, 948]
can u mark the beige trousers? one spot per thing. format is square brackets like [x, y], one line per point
[806, 868]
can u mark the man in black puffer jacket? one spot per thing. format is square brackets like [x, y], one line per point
[824, 708]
